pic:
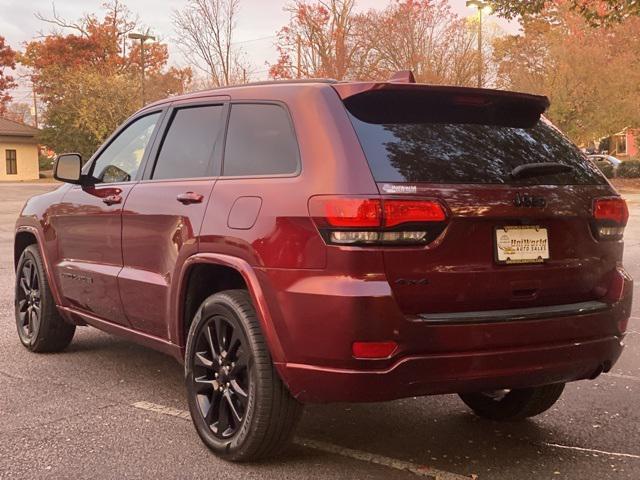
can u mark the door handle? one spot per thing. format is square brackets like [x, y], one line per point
[190, 197]
[112, 199]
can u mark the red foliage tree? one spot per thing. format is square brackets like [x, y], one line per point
[596, 12]
[323, 39]
[7, 62]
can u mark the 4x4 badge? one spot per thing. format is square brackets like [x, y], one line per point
[529, 201]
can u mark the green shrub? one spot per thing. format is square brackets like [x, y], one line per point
[606, 168]
[629, 169]
[45, 163]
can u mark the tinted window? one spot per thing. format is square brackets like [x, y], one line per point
[468, 153]
[120, 161]
[260, 141]
[188, 145]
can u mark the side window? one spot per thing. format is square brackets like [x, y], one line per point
[260, 141]
[120, 161]
[188, 146]
[12, 162]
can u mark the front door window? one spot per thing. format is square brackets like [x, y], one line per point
[121, 160]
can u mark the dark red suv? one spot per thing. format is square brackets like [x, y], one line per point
[322, 241]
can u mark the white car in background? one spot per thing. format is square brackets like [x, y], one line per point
[602, 160]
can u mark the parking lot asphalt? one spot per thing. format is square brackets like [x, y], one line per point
[107, 408]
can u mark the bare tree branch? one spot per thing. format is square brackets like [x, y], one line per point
[205, 31]
[61, 22]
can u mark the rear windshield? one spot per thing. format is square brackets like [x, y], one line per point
[469, 153]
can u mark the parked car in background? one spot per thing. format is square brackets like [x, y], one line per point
[321, 241]
[606, 163]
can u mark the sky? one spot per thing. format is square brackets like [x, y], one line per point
[258, 21]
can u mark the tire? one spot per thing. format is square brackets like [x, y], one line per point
[512, 405]
[41, 329]
[226, 355]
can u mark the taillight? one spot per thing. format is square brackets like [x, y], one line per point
[352, 212]
[610, 216]
[397, 212]
[370, 221]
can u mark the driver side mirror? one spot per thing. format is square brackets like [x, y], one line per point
[68, 168]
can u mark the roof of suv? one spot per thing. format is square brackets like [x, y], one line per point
[402, 83]
[229, 89]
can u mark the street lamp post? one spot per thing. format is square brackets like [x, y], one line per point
[480, 5]
[143, 37]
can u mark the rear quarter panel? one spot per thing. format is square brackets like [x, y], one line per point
[283, 243]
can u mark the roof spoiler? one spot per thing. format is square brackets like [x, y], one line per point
[395, 102]
[403, 76]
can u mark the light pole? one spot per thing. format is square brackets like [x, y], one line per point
[143, 37]
[480, 5]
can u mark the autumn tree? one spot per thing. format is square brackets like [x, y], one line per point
[591, 75]
[205, 31]
[324, 39]
[18, 112]
[87, 75]
[425, 36]
[91, 107]
[595, 12]
[7, 62]
[329, 39]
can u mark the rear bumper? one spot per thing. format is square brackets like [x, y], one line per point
[317, 319]
[456, 373]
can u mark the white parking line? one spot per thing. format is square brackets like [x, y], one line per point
[153, 407]
[414, 468]
[592, 450]
[620, 375]
[420, 470]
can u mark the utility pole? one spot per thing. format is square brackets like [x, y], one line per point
[480, 62]
[299, 50]
[480, 5]
[143, 37]
[35, 106]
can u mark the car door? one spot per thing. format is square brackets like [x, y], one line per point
[89, 225]
[164, 212]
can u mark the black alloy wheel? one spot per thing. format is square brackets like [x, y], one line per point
[240, 407]
[40, 327]
[28, 309]
[221, 377]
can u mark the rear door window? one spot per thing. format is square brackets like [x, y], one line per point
[187, 148]
[452, 152]
[260, 141]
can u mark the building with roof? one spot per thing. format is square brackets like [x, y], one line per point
[18, 151]
[623, 145]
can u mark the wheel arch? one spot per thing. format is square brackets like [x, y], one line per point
[184, 306]
[23, 238]
[28, 235]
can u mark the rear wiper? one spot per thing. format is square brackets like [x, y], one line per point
[539, 169]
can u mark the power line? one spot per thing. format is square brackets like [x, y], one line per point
[253, 40]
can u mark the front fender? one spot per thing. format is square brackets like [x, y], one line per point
[32, 230]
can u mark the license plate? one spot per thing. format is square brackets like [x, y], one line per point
[522, 244]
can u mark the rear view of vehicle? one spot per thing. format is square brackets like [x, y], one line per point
[501, 245]
[336, 242]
